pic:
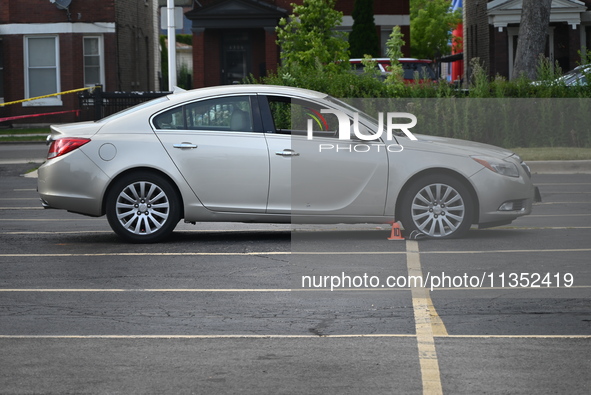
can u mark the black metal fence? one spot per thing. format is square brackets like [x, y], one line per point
[99, 104]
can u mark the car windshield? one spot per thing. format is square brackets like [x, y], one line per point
[134, 108]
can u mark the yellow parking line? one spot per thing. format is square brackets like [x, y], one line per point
[425, 317]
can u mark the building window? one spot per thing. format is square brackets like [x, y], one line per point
[42, 70]
[93, 61]
[1, 73]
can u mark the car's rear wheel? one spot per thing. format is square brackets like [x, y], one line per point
[437, 206]
[143, 207]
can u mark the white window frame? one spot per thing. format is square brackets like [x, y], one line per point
[1, 69]
[513, 32]
[46, 101]
[101, 50]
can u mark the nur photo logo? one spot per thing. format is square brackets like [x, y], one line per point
[345, 127]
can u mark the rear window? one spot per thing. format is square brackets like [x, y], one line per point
[424, 70]
[134, 108]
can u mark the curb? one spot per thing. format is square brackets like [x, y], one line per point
[560, 166]
[536, 167]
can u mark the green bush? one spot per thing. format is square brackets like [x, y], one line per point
[517, 113]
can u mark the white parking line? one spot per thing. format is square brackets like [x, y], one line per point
[263, 253]
[562, 183]
[35, 198]
[547, 203]
[557, 215]
[204, 290]
[21, 208]
[438, 328]
[32, 161]
[272, 336]
[200, 336]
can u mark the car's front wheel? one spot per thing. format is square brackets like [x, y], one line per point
[437, 206]
[143, 208]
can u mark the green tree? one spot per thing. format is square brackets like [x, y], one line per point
[535, 19]
[394, 52]
[308, 39]
[431, 23]
[363, 39]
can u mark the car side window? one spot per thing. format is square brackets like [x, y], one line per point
[171, 119]
[291, 117]
[219, 114]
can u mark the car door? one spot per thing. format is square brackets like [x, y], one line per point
[218, 146]
[322, 176]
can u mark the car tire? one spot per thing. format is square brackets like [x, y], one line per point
[438, 206]
[143, 207]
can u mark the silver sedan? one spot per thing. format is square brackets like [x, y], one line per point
[258, 153]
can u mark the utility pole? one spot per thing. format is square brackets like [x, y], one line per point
[171, 30]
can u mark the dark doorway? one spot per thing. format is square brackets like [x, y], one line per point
[235, 57]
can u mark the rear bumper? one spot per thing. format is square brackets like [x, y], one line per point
[72, 182]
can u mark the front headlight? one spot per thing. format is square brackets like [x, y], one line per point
[500, 166]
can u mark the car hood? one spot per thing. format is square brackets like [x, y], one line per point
[453, 146]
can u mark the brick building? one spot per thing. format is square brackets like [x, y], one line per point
[235, 38]
[46, 48]
[491, 30]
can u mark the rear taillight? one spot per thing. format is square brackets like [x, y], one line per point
[64, 145]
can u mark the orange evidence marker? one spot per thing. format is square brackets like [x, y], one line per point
[396, 232]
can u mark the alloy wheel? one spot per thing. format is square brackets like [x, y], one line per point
[142, 208]
[438, 210]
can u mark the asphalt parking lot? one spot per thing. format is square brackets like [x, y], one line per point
[238, 308]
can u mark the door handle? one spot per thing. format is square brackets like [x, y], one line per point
[287, 152]
[185, 145]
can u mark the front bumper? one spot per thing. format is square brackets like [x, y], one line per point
[537, 196]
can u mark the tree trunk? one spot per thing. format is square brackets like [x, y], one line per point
[535, 19]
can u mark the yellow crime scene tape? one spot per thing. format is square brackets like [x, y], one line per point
[91, 88]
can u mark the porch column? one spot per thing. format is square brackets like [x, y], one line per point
[198, 57]
[271, 49]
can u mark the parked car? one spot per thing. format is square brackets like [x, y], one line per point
[576, 77]
[259, 153]
[414, 69]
